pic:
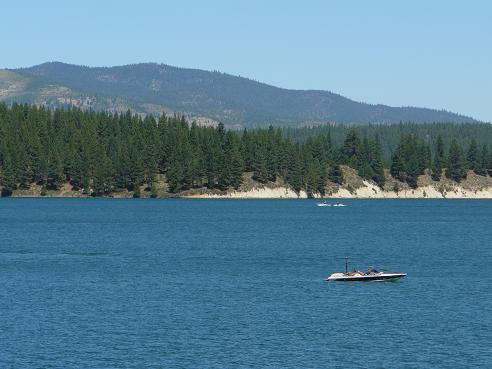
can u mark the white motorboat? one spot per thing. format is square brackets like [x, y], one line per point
[338, 204]
[358, 276]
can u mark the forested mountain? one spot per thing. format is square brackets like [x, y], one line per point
[235, 101]
[100, 154]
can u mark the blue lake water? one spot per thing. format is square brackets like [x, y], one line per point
[231, 284]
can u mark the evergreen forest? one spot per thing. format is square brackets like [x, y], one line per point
[100, 153]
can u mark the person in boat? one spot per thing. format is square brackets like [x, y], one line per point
[372, 270]
[355, 273]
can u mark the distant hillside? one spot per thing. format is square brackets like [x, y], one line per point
[212, 96]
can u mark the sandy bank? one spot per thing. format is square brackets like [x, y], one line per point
[366, 191]
[256, 193]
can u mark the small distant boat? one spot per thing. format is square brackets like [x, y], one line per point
[324, 203]
[358, 276]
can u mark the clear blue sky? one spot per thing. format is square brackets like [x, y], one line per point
[428, 53]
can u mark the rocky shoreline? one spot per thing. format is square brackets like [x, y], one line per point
[354, 187]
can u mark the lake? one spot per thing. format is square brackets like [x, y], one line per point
[107, 283]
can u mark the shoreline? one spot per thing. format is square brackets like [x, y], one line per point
[361, 193]
[354, 187]
[366, 192]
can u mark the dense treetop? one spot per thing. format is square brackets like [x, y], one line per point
[390, 134]
[100, 153]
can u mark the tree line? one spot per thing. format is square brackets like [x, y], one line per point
[390, 134]
[101, 153]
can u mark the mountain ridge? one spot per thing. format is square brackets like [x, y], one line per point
[152, 88]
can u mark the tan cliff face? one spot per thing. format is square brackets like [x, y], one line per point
[368, 191]
[354, 187]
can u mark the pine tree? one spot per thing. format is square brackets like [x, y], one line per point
[311, 179]
[175, 175]
[456, 169]
[103, 182]
[78, 172]
[376, 162]
[410, 160]
[438, 162]
[55, 177]
[351, 149]
[488, 164]
[473, 157]
[7, 177]
[294, 174]
[482, 167]
[260, 165]
[234, 160]
[336, 174]
[321, 179]
[397, 166]
[136, 171]
[365, 160]
[412, 171]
